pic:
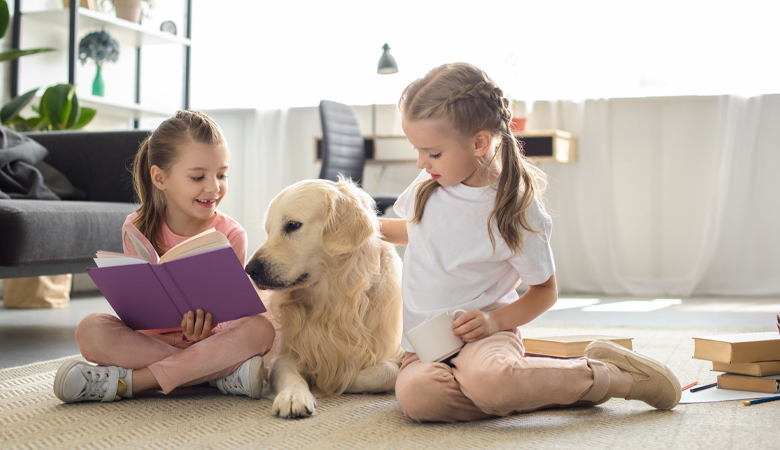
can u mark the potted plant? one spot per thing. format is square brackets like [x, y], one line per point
[100, 47]
[59, 107]
[58, 110]
[132, 10]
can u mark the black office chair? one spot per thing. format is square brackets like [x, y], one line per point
[343, 148]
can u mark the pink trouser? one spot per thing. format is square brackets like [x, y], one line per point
[105, 340]
[491, 377]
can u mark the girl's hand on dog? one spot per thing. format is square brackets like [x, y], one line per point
[196, 326]
[475, 325]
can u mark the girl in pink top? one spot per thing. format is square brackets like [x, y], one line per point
[180, 177]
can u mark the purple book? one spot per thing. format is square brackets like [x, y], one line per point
[152, 296]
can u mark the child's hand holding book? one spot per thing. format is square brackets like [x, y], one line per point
[196, 326]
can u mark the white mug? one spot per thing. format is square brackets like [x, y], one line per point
[434, 340]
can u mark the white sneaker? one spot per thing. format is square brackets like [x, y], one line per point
[77, 381]
[246, 380]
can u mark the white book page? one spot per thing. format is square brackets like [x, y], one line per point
[118, 261]
[141, 250]
[716, 394]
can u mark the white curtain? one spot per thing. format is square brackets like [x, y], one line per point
[630, 217]
[739, 250]
[743, 253]
[269, 150]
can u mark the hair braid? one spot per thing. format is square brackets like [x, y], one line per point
[469, 101]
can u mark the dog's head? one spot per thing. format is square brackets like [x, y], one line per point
[307, 225]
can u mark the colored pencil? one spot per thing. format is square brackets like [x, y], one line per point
[701, 388]
[690, 385]
[762, 400]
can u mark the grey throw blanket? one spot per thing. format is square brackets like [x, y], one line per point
[24, 175]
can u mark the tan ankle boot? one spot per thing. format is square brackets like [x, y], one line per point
[653, 383]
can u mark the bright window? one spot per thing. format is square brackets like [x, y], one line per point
[262, 54]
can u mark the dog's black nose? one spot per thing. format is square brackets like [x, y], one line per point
[255, 268]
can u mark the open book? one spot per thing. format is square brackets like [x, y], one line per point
[149, 292]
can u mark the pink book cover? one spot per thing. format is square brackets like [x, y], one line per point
[152, 296]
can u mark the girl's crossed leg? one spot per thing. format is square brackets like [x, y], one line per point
[145, 361]
[491, 377]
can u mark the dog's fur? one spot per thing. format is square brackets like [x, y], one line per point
[336, 295]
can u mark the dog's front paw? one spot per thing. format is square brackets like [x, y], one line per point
[292, 403]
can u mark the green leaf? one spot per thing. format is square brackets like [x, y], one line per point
[41, 106]
[57, 104]
[86, 116]
[31, 124]
[15, 106]
[16, 53]
[74, 113]
[5, 17]
[38, 124]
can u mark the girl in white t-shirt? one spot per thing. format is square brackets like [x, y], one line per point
[474, 229]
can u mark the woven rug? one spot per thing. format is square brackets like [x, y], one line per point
[31, 417]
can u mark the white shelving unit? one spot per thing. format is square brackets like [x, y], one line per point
[120, 29]
[125, 32]
[119, 109]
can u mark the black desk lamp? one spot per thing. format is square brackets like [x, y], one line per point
[387, 63]
[386, 66]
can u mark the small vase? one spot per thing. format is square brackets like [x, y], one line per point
[97, 85]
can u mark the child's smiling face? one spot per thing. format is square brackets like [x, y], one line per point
[193, 186]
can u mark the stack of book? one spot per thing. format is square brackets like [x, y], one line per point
[567, 346]
[751, 361]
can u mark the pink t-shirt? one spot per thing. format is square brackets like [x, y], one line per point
[235, 234]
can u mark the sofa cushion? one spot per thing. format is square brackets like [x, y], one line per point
[99, 163]
[41, 231]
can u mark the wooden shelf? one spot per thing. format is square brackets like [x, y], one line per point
[548, 146]
[542, 146]
[120, 29]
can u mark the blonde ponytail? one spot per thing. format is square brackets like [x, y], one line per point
[469, 101]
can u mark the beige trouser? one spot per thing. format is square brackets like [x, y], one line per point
[491, 377]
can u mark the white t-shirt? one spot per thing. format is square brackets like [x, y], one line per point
[449, 262]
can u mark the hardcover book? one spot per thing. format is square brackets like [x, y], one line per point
[567, 346]
[768, 384]
[757, 369]
[738, 348]
[148, 292]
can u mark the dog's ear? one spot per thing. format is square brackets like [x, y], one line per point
[348, 224]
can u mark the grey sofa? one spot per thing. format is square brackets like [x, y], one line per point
[44, 237]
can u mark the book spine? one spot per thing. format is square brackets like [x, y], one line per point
[748, 384]
[172, 288]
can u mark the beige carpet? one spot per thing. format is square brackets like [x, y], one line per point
[31, 417]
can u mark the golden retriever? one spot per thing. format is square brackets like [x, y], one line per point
[336, 299]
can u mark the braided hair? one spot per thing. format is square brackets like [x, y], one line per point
[469, 101]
